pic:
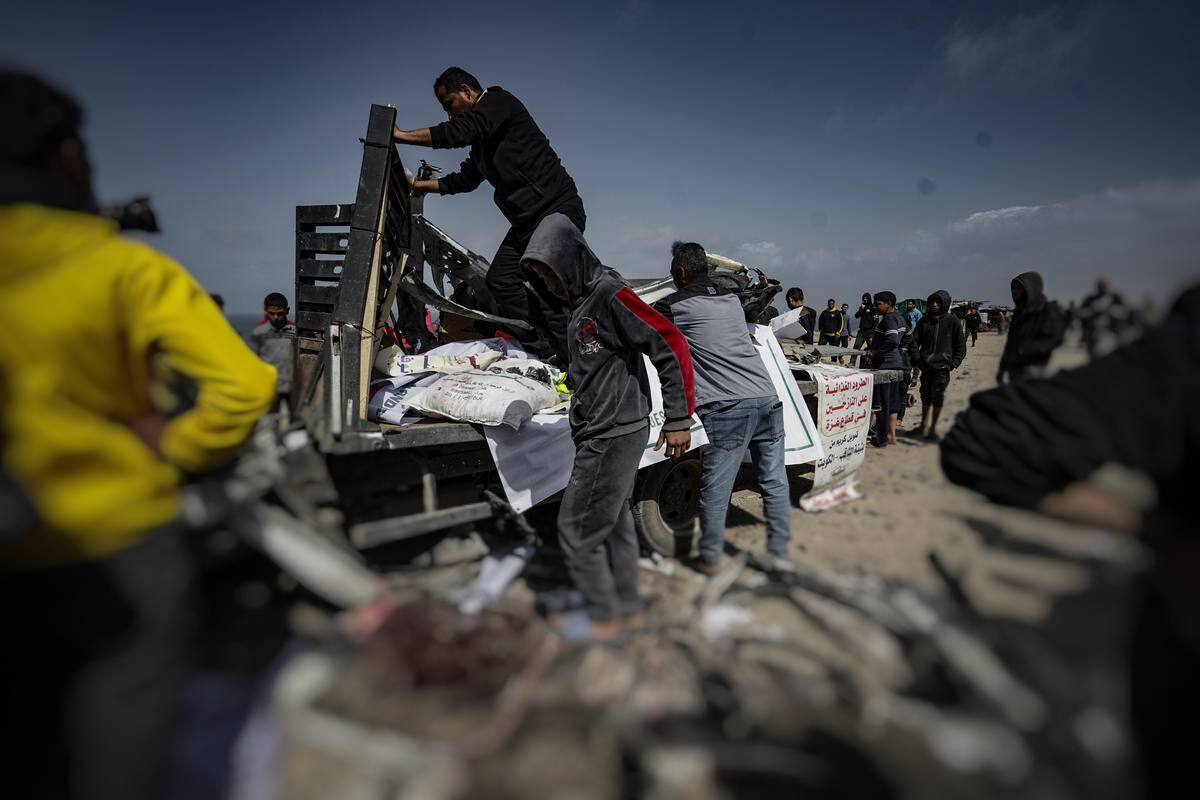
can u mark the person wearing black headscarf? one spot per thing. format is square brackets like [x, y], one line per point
[1037, 328]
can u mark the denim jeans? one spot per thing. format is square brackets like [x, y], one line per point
[732, 427]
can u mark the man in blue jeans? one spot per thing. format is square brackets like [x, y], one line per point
[735, 400]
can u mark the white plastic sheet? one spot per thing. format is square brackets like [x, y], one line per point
[535, 462]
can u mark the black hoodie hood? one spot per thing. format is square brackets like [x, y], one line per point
[1035, 294]
[558, 244]
[943, 297]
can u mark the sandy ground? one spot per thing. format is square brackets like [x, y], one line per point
[1013, 564]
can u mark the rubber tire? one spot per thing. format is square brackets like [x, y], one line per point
[668, 531]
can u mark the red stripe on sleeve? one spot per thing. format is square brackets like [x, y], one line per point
[670, 334]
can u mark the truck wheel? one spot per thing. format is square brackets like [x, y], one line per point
[664, 506]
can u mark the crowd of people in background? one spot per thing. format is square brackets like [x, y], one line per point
[927, 345]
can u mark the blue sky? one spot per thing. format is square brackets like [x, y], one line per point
[843, 146]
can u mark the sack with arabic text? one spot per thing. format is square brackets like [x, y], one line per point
[486, 398]
[395, 362]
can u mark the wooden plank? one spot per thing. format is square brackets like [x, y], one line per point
[324, 243]
[314, 269]
[320, 295]
[325, 215]
[313, 320]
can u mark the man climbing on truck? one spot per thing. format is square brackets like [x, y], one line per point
[509, 150]
[608, 332]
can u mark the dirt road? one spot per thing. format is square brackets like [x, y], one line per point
[1013, 563]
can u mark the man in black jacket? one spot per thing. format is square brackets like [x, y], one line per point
[973, 321]
[941, 347]
[1036, 329]
[832, 325]
[866, 322]
[509, 150]
[609, 331]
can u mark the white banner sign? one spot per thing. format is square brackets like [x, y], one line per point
[843, 419]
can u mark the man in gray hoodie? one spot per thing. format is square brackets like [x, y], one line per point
[610, 329]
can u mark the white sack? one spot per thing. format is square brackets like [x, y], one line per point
[391, 398]
[395, 362]
[485, 398]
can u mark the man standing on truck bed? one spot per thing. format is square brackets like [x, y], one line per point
[509, 150]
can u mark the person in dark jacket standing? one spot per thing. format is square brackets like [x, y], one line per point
[831, 323]
[736, 401]
[608, 332]
[510, 152]
[1037, 328]
[808, 315]
[885, 353]
[941, 347]
[972, 322]
[866, 322]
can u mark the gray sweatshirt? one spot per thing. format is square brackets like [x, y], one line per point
[726, 365]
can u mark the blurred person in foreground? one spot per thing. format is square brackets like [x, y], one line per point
[736, 402]
[1073, 447]
[1036, 330]
[99, 592]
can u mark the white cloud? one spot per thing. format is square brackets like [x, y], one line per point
[1031, 46]
[1144, 236]
[767, 255]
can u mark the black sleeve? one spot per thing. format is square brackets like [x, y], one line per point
[472, 126]
[467, 179]
[1017, 443]
[959, 342]
[1051, 330]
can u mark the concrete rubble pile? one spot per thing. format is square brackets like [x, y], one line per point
[767, 680]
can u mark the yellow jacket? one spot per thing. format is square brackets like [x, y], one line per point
[83, 313]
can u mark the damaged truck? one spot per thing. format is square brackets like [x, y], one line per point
[366, 274]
